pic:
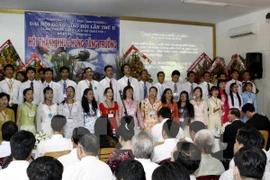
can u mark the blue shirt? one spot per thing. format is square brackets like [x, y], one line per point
[249, 97]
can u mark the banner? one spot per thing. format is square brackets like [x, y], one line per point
[75, 41]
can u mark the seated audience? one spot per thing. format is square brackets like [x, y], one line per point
[130, 170]
[125, 132]
[171, 171]
[72, 157]
[194, 127]
[9, 128]
[89, 167]
[169, 131]
[142, 148]
[204, 139]
[21, 144]
[57, 141]
[163, 115]
[45, 168]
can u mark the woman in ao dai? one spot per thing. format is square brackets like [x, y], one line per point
[235, 99]
[200, 106]
[26, 112]
[224, 99]
[90, 110]
[72, 110]
[45, 112]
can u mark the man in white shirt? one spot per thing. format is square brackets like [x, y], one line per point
[144, 85]
[57, 90]
[246, 78]
[65, 82]
[72, 157]
[35, 85]
[164, 114]
[169, 131]
[190, 85]
[21, 144]
[41, 74]
[161, 85]
[127, 80]
[206, 85]
[88, 82]
[108, 81]
[9, 128]
[57, 141]
[90, 167]
[234, 75]
[175, 85]
[204, 139]
[142, 148]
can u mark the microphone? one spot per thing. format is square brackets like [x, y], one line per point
[121, 97]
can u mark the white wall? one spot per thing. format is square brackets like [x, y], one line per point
[260, 42]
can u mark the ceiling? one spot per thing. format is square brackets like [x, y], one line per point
[161, 9]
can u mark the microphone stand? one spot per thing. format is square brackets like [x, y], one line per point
[121, 97]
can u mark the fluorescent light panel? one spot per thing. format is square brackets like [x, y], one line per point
[208, 3]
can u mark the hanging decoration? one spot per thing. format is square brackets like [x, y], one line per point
[216, 68]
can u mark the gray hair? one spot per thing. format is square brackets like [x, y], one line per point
[204, 139]
[142, 145]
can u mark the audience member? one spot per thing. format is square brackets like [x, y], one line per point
[130, 170]
[195, 127]
[9, 128]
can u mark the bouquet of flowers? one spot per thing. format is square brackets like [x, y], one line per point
[222, 129]
[40, 136]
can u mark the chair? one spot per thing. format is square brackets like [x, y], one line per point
[104, 153]
[265, 136]
[158, 143]
[210, 177]
[57, 154]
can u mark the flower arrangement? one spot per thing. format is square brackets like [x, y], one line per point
[222, 129]
[40, 136]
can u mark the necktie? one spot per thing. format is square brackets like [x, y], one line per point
[111, 84]
[208, 88]
[128, 82]
[191, 92]
[175, 88]
[90, 85]
[65, 87]
[161, 90]
[32, 85]
[144, 90]
[48, 85]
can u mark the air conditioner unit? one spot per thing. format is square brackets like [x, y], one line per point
[243, 30]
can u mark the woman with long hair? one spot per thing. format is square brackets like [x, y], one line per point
[235, 99]
[167, 101]
[222, 95]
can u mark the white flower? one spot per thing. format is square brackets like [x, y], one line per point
[222, 129]
[40, 136]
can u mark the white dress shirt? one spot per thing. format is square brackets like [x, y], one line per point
[148, 167]
[84, 84]
[103, 84]
[204, 86]
[236, 102]
[123, 82]
[161, 88]
[89, 168]
[228, 84]
[58, 96]
[176, 94]
[38, 90]
[157, 132]
[69, 83]
[56, 143]
[12, 88]
[187, 87]
[164, 151]
[5, 149]
[69, 159]
[15, 170]
[141, 89]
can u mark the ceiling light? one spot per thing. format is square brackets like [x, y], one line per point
[208, 3]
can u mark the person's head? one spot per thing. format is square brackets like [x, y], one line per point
[70, 92]
[126, 70]
[88, 94]
[9, 70]
[144, 75]
[161, 77]
[234, 74]
[206, 76]
[184, 97]
[249, 110]
[30, 73]
[45, 168]
[89, 98]
[250, 163]
[204, 139]
[164, 113]
[246, 76]
[222, 76]
[108, 93]
[64, 72]
[175, 76]
[48, 74]
[130, 170]
[170, 171]
[77, 134]
[41, 73]
[234, 114]
[128, 92]
[194, 127]
[28, 95]
[167, 96]
[8, 129]
[4, 99]
[126, 130]
[221, 84]
[191, 76]
[234, 88]
[58, 123]
[248, 86]
[198, 92]
[153, 92]
[20, 76]
[22, 144]
[189, 155]
[108, 71]
[248, 137]
[142, 145]
[170, 129]
[88, 73]
[48, 94]
[103, 126]
[214, 91]
[88, 146]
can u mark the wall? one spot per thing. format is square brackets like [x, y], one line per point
[260, 42]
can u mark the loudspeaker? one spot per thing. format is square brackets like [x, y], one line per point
[254, 65]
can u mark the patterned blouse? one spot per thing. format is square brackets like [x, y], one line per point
[118, 156]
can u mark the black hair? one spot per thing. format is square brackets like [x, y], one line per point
[41, 69]
[23, 74]
[251, 162]
[189, 155]
[153, 87]
[163, 98]
[78, 133]
[107, 89]
[176, 72]
[196, 126]
[130, 170]
[250, 137]
[235, 111]
[2, 94]
[170, 171]
[85, 103]
[165, 112]
[221, 73]
[30, 69]
[206, 72]
[199, 89]
[48, 70]
[45, 90]
[231, 94]
[214, 88]
[123, 67]
[246, 84]
[8, 129]
[224, 92]
[234, 70]
[9, 65]
[22, 144]
[63, 102]
[103, 126]
[125, 91]
[160, 72]
[58, 122]
[106, 67]
[45, 168]
[144, 70]
[84, 71]
[89, 143]
[190, 72]
[64, 68]
[171, 128]
[248, 107]
[25, 91]
[189, 106]
[126, 129]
